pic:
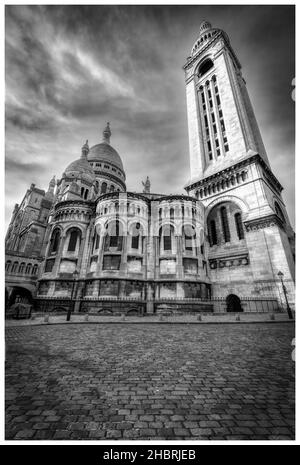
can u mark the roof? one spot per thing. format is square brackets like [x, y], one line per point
[105, 152]
[81, 167]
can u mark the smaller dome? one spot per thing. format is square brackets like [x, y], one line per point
[81, 168]
[204, 26]
[206, 33]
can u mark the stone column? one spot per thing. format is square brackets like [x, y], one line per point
[78, 287]
[84, 252]
[179, 264]
[122, 285]
[150, 299]
[123, 265]
[156, 291]
[180, 290]
[100, 254]
[58, 254]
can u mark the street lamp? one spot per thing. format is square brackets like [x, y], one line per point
[71, 306]
[288, 308]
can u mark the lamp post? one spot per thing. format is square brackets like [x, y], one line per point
[288, 308]
[71, 306]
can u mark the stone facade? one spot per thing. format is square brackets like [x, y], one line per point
[106, 249]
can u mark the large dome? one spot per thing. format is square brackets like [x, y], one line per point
[105, 152]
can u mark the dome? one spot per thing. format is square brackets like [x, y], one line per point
[105, 152]
[206, 33]
[81, 167]
[204, 26]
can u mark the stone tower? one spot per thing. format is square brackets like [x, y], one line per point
[249, 235]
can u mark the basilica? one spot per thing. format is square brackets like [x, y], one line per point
[88, 245]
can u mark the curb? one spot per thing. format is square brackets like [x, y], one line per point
[153, 323]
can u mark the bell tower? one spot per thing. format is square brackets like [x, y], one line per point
[222, 124]
[249, 235]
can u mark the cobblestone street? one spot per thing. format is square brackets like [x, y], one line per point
[150, 381]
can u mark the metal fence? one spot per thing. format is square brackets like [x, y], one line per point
[127, 305]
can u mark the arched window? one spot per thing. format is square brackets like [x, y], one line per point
[172, 213]
[54, 243]
[103, 187]
[35, 269]
[167, 242]
[82, 191]
[213, 238]
[73, 241]
[135, 242]
[239, 226]
[114, 238]
[28, 268]
[7, 265]
[86, 194]
[15, 267]
[97, 241]
[166, 236]
[21, 267]
[225, 225]
[205, 67]
[135, 238]
[112, 188]
[189, 237]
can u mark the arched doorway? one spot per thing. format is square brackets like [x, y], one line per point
[233, 303]
[20, 295]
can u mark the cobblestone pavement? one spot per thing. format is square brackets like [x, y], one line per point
[150, 382]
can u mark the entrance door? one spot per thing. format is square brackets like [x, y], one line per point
[233, 303]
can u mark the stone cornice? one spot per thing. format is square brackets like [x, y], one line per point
[115, 195]
[229, 261]
[110, 176]
[74, 204]
[233, 169]
[178, 197]
[133, 195]
[261, 223]
[22, 255]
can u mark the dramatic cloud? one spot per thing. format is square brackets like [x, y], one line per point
[69, 69]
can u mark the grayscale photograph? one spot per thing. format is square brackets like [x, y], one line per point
[149, 223]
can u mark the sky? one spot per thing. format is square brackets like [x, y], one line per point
[70, 69]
